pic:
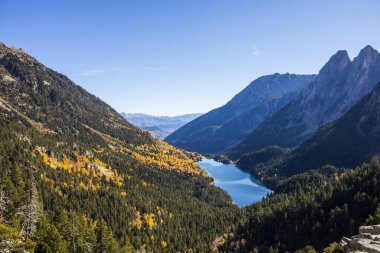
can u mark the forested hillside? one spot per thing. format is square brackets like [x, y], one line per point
[312, 211]
[76, 177]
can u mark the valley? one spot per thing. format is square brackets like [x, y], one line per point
[69, 158]
[318, 153]
[283, 158]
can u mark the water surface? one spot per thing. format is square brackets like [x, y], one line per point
[241, 186]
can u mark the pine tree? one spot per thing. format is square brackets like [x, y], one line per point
[49, 238]
[375, 218]
[127, 246]
[88, 235]
[105, 241]
[63, 224]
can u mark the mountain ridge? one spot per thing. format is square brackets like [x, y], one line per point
[345, 143]
[339, 84]
[207, 134]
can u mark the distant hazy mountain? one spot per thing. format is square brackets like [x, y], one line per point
[339, 84]
[219, 129]
[159, 126]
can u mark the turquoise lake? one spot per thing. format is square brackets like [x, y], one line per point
[241, 186]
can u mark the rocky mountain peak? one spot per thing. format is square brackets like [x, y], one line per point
[367, 51]
[364, 73]
[336, 63]
[366, 56]
[340, 55]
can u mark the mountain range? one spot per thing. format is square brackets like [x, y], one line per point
[338, 86]
[159, 126]
[314, 121]
[222, 128]
[282, 110]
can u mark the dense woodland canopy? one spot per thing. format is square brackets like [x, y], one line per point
[84, 208]
[315, 208]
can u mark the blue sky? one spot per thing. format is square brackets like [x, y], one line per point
[174, 57]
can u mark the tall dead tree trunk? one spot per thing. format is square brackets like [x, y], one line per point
[3, 205]
[32, 212]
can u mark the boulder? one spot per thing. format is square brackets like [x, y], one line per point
[373, 230]
[368, 240]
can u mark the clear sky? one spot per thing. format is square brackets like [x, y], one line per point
[173, 57]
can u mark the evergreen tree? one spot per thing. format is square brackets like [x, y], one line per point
[48, 238]
[104, 239]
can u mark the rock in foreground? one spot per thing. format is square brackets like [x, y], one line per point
[368, 240]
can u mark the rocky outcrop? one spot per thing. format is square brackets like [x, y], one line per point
[368, 240]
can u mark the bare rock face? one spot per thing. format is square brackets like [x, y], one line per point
[368, 240]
